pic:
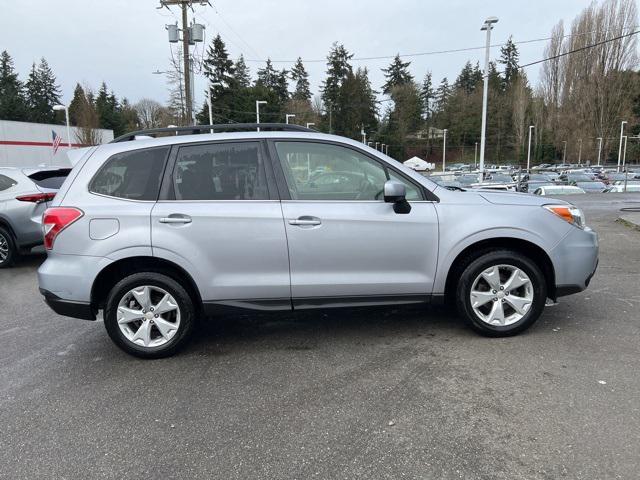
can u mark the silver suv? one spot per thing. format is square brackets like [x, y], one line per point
[159, 232]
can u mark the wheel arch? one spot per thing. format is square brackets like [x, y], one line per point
[116, 271]
[475, 250]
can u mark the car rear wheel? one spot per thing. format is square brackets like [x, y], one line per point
[149, 315]
[8, 251]
[501, 293]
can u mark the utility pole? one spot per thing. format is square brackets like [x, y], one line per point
[487, 26]
[444, 149]
[186, 39]
[475, 157]
[531, 127]
[564, 152]
[599, 149]
[620, 147]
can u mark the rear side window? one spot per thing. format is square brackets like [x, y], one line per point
[134, 175]
[220, 171]
[6, 182]
[52, 179]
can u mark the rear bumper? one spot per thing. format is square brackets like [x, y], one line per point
[68, 308]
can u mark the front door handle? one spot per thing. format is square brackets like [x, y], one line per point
[305, 221]
[176, 219]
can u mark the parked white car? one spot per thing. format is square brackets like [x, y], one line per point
[558, 190]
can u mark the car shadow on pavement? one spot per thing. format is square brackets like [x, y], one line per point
[312, 329]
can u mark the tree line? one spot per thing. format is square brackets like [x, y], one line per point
[581, 96]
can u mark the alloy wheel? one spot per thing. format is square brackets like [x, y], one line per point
[4, 248]
[148, 316]
[501, 295]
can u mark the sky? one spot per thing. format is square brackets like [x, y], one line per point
[122, 42]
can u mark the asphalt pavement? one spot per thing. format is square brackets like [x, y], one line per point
[383, 393]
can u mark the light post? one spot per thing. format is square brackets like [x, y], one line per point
[57, 108]
[475, 157]
[364, 135]
[377, 143]
[564, 152]
[580, 152]
[620, 147]
[444, 149]
[382, 147]
[258, 103]
[216, 84]
[531, 127]
[386, 150]
[624, 153]
[288, 116]
[310, 124]
[487, 26]
[599, 148]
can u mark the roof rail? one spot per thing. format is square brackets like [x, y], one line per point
[223, 127]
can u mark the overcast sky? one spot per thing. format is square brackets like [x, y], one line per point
[122, 41]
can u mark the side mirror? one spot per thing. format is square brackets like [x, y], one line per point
[396, 193]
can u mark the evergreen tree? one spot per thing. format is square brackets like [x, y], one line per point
[108, 110]
[356, 106]
[268, 77]
[241, 73]
[282, 86]
[396, 74]
[218, 67]
[301, 78]
[13, 105]
[77, 104]
[42, 93]
[467, 80]
[442, 95]
[338, 68]
[427, 96]
[509, 57]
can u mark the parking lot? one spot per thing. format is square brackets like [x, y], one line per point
[384, 393]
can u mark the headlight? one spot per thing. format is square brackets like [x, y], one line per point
[569, 213]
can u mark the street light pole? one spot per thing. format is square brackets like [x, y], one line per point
[386, 150]
[216, 84]
[487, 26]
[444, 149]
[475, 157]
[564, 153]
[620, 147]
[580, 152]
[599, 149]
[288, 116]
[531, 127]
[624, 153]
[66, 116]
[364, 135]
[258, 103]
[377, 143]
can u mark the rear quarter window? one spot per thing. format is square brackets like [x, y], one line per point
[134, 175]
[6, 183]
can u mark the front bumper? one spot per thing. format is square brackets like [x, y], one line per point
[68, 308]
[575, 260]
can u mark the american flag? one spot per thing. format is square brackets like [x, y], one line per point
[56, 141]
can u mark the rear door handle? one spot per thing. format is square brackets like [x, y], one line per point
[305, 221]
[176, 219]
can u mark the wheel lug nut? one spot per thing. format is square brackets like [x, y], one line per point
[494, 291]
[501, 288]
[151, 309]
[156, 315]
[495, 299]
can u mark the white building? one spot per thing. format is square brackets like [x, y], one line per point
[24, 144]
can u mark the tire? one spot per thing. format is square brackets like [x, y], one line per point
[520, 309]
[8, 250]
[143, 336]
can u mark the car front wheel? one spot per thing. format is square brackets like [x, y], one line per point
[501, 293]
[149, 315]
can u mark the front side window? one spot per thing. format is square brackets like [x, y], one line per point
[220, 171]
[319, 171]
[134, 175]
[6, 183]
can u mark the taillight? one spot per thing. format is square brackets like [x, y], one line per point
[55, 220]
[36, 197]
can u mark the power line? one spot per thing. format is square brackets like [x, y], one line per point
[434, 52]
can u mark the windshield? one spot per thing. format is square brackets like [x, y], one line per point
[500, 178]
